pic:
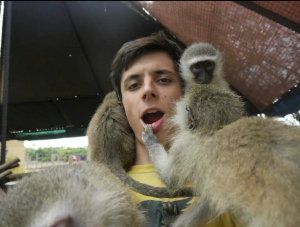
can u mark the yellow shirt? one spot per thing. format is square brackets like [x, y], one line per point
[146, 174]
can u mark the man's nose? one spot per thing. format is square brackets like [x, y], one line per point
[150, 91]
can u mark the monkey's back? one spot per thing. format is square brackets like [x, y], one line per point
[109, 134]
[87, 193]
[255, 166]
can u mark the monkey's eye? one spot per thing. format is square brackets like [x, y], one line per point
[196, 65]
[207, 64]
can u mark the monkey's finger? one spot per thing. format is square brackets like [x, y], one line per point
[148, 128]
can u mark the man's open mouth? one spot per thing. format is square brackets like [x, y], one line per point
[152, 116]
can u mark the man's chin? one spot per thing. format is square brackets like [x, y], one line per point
[162, 138]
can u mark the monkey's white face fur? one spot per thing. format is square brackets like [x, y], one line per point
[180, 119]
[200, 52]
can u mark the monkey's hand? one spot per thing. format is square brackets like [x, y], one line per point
[148, 137]
[191, 117]
[169, 213]
[157, 153]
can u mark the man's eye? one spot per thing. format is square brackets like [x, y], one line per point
[133, 86]
[165, 80]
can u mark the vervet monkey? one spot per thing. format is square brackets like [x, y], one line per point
[84, 195]
[111, 141]
[247, 165]
[201, 63]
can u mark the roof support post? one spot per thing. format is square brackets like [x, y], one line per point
[5, 56]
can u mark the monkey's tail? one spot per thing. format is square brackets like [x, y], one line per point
[148, 190]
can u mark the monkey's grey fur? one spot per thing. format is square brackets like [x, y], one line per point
[247, 165]
[84, 195]
[111, 141]
[110, 138]
[198, 53]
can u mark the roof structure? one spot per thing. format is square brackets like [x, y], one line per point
[61, 51]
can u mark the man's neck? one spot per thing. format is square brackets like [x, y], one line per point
[142, 154]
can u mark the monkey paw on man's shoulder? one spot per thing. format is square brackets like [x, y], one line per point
[169, 212]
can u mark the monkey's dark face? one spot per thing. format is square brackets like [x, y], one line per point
[203, 71]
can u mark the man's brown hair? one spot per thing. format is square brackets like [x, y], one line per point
[132, 50]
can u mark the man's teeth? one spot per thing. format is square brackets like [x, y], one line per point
[152, 111]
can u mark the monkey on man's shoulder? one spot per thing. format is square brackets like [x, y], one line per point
[247, 165]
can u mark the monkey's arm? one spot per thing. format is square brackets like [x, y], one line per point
[160, 158]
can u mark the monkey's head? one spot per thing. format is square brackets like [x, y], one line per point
[210, 107]
[110, 136]
[201, 63]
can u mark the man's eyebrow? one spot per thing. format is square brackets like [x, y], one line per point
[164, 71]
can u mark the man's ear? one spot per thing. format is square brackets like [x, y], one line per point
[120, 104]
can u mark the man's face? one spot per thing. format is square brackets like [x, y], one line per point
[149, 88]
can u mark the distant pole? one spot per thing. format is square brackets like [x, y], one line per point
[5, 55]
[70, 159]
[27, 162]
[51, 156]
[36, 160]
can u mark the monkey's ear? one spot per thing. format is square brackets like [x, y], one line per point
[65, 222]
[120, 104]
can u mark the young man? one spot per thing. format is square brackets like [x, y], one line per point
[146, 79]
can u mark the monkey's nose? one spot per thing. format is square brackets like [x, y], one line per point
[204, 78]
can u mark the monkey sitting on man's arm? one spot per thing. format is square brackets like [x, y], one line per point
[247, 165]
[83, 195]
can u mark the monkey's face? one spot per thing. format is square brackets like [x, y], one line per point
[149, 88]
[203, 71]
[201, 63]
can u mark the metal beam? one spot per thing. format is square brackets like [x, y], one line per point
[5, 56]
[270, 15]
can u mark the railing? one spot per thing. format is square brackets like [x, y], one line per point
[38, 162]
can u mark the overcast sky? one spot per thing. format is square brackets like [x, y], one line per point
[64, 142]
